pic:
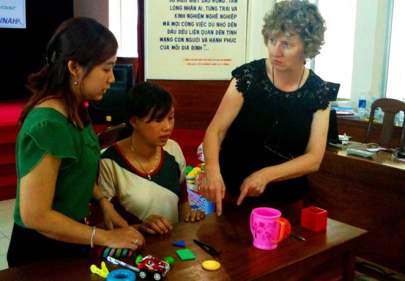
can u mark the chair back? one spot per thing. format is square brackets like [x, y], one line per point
[112, 108]
[390, 107]
[333, 132]
[111, 134]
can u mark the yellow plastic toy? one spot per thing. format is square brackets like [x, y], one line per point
[102, 272]
[194, 172]
[210, 265]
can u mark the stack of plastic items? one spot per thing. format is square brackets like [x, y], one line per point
[112, 252]
[191, 176]
[196, 200]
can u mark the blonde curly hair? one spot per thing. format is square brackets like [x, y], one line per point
[296, 17]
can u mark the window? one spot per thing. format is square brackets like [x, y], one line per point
[396, 71]
[335, 62]
[122, 21]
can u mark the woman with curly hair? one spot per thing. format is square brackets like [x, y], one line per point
[271, 126]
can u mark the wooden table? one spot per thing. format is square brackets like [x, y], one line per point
[367, 193]
[323, 256]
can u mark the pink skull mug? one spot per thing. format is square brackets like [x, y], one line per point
[268, 228]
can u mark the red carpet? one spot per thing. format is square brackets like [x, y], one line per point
[9, 113]
[189, 139]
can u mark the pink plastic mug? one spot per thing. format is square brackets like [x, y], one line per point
[268, 228]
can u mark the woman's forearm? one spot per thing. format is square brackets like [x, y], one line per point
[60, 227]
[294, 168]
[226, 113]
[212, 142]
[311, 160]
[97, 193]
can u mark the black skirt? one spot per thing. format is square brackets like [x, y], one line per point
[27, 246]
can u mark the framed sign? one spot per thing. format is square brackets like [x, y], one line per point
[12, 14]
[194, 39]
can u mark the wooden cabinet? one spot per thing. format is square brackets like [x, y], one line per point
[369, 194]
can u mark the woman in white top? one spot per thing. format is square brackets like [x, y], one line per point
[145, 170]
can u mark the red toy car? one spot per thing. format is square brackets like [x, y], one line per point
[150, 265]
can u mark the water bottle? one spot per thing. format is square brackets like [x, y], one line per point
[399, 119]
[362, 111]
[378, 115]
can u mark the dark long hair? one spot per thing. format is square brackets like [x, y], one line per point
[82, 40]
[149, 99]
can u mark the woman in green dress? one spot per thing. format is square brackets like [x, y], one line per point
[57, 151]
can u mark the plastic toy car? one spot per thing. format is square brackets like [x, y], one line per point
[150, 265]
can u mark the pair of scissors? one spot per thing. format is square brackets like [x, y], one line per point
[209, 249]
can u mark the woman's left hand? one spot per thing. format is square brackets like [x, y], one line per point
[253, 186]
[111, 216]
[156, 224]
[190, 215]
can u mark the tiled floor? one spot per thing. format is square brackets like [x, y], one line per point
[6, 225]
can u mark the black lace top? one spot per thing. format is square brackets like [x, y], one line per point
[272, 127]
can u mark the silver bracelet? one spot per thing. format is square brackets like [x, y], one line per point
[93, 234]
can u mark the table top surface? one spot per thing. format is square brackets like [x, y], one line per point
[229, 233]
[384, 158]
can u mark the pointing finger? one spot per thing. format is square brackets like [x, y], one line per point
[218, 202]
[242, 195]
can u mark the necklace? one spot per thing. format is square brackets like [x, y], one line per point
[299, 81]
[155, 162]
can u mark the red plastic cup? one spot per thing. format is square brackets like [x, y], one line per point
[314, 218]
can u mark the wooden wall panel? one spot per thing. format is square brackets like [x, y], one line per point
[196, 101]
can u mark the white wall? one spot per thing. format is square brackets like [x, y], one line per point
[368, 57]
[370, 40]
[255, 48]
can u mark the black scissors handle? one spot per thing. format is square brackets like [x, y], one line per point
[209, 249]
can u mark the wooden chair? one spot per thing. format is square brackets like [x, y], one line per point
[111, 134]
[390, 107]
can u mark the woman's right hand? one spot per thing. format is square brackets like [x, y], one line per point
[125, 237]
[212, 187]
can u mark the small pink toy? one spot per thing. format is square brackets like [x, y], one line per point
[268, 228]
